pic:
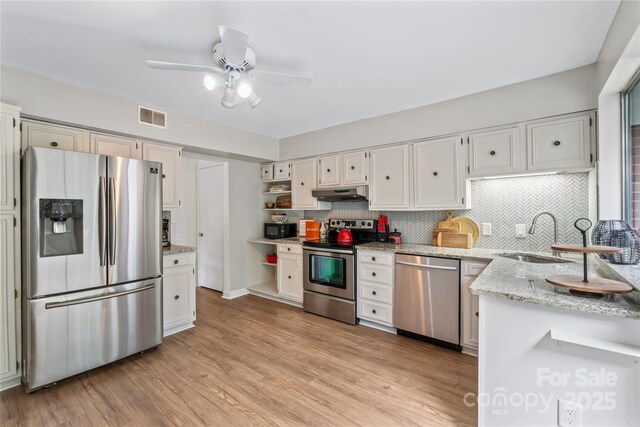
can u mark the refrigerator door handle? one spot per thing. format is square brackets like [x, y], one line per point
[102, 222]
[77, 301]
[112, 221]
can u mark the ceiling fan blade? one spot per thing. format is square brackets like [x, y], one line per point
[234, 44]
[183, 67]
[282, 79]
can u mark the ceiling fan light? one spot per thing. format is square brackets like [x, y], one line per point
[229, 98]
[209, 82]
[244, 90]
[254, 100]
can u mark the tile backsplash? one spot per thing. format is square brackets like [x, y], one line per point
[502, 202]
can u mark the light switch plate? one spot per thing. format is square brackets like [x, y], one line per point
[486, 229]
[521, 231]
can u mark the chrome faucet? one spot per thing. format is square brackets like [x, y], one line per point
[532, 229]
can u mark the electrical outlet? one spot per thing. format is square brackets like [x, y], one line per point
[486, 229]
[521, 231]
[569, 414]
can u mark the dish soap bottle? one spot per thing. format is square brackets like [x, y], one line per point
[323, 230]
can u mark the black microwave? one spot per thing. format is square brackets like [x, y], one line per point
[279, 231]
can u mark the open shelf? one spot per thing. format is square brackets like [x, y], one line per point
[263, 241]
[267, 288]
[270, 264]
[275, 193]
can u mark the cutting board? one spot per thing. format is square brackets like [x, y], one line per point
[455, 240]
[436, 231]
[449, 223]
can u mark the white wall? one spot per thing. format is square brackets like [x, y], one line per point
[560, 93]
[244, 209]
[618, 61]
[51, 99]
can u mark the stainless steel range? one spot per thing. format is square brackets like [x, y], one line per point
[329, 270]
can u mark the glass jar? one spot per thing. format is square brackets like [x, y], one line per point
[629, 241]
[601, 234]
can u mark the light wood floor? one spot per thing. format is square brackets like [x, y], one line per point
[252, 361]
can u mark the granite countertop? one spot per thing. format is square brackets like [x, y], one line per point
[524, 281]
[176, 249]
[292, 240]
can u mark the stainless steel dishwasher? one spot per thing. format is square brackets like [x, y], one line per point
[427, 299]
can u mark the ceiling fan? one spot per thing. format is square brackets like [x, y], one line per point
[235, 65]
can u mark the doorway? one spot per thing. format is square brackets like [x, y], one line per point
[211, 226]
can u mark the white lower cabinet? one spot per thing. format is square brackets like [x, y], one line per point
[290, 272]
[375, 287]
[179, 292]
[470, 309]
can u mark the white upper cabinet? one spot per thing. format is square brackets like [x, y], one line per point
[38, 134]
[438, 172]
[282, 171]
[495, 152]
[389, 186]
[355, 168]
[110, 145]
[9, 158]
[560, 144]
[329, 174]
[304, 178]
[266, 172]
[171, 159]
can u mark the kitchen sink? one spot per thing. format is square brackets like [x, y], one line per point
[534, 258]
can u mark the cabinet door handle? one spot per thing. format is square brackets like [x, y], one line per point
[373, 258]
[374, 311]
[477, 315]
[388, 178]
[373, 274]
[289, 249]
[176, 261]
[289, 277]
[176, 297]
[54, 144]
[492, 152]
[201, 234]
[556, 143]
[373, 293]
[164, 176]
[302, 183]
[435, 174]
[353, 167]
[328, 170]
[280, 170]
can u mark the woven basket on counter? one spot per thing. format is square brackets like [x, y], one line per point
[283, 202]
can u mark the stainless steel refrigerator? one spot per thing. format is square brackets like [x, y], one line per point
[92, 261]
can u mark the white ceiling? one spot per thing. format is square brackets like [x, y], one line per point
[366, 58]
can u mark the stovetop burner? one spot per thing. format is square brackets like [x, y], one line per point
[362, 230]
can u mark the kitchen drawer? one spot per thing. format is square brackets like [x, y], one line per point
[376, 292]
[376, 273]
[380, 258]
[177, 260]
[473, 268]
[376, 312]
[290, 249]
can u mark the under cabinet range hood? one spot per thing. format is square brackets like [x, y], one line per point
[336, 194]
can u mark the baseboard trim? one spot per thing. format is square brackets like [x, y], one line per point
[276, 298]
[7, 384]
[470, 351]
[235, 294]
[378, 326]
[176, 329]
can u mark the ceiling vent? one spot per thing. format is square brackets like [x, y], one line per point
[147, 116]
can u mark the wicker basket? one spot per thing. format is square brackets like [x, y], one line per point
[284, 202]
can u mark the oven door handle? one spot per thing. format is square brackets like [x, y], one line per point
[333, 251]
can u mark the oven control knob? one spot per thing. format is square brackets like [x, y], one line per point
[363, 223]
